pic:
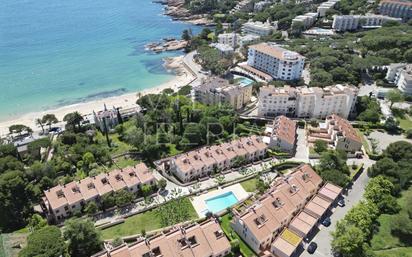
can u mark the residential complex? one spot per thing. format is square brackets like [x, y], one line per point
[307, 102]
[286, 213]
[63, 200]
[355, 22]
[196, 240]
[259, 28]
[325, 6]
[396, 8]
[400, 74]
[268, 61]
[281, 134]
[307, 19]
[209, 159]
[216, 90]
[337, 132]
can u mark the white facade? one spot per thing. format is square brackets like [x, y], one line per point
[354, 22]
[306, 102]
[401, 75]
[308, 19]
[223, 49]
[275, 61]
[258, 28]
[325, 6]
[230, 39]
[396, 8]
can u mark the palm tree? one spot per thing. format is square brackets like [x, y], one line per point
[72, 119]
[39, 122]
[49, 119]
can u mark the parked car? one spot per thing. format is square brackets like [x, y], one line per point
[341, 203]
[312, 247]
[326, 222]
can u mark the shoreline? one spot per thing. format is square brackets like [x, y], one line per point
[181, 78]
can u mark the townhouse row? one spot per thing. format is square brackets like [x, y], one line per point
[62, 201]
[197, 240]
[338, 133]
[278, 221]
[304, 102]
[206, 160]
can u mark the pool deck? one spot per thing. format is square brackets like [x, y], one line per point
[199, 202]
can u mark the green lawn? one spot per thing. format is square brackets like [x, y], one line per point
[249, 185]
[244, 248]
[396, 252]
[118, 146]
[405, 123]
[147, 221]
[384, 240]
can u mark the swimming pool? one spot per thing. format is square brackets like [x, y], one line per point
[243, 81]
[221, 202]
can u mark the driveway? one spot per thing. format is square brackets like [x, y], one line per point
[302, 150]
[355, 194]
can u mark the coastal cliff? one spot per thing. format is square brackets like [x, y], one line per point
[177, 10]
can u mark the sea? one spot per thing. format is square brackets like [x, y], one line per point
[57, 52]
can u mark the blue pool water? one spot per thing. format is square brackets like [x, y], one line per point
[244, 82]
[221, 202]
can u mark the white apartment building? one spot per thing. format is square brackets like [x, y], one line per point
[259, 28]
[259, 6]
[307, 19]
[224, 50]
[274, 61]
[304, 102]
[355, 22]
[217, 90]
[325, 6]
[230, 39]
[396, 8]
[401, 75]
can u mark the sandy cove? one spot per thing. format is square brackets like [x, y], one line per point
[183, 77]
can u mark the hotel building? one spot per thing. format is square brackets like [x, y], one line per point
[400, 74]
[216, 90]
[278, 221]
[396, 8]
[63, 200]
[281, 134]
[268, 61]
[354, 22]
[304, 102]
[307, 19]
[196, 240]
[325, 6]
[337, 132]
[205, 160]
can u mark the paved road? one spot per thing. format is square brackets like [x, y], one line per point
[188, 59]
[302, 151]
[324, 238]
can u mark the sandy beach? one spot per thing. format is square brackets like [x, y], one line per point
[182, 78]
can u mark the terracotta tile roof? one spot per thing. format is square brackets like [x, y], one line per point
[345, 127]
[91, 187]
[285, 129]
[330, 191]
[88, 189]
[217, 153]
[72, 193]
[116, 180]
[303, 223]
[283, 246]
[207, 156]
[197, 240]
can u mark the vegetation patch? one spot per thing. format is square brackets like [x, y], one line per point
[231, 234]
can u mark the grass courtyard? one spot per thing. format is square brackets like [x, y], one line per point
[249, 185]
[384, 243]
[147, 221]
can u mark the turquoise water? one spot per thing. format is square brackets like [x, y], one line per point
[55, 52]
[221, 202]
